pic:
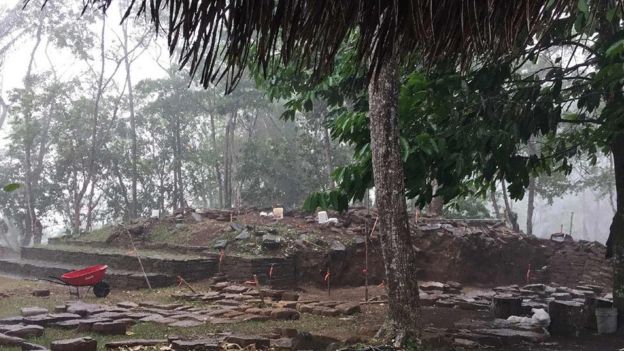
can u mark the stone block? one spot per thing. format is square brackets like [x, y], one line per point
[78, 344]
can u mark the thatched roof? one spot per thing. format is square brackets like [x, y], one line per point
[309, 32]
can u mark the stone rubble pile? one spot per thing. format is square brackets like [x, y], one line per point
[556, 310]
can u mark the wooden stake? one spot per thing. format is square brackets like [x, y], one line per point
[366, 264]
[183, 282]
[136, 252]
[260, 294]
[328, 278]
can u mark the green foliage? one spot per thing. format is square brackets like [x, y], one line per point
[11, 187]
[469, 207]
[468, 131]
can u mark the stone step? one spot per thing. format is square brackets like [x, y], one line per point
[189, 267]
[118, 279]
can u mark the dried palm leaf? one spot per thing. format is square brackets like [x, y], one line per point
[216, 38]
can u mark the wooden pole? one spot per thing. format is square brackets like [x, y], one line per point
[366, 268]
[221, 254]
[366, 247]
[136, 252]
[183, 282]
[328, 276]
[259, 290]
[571, 221]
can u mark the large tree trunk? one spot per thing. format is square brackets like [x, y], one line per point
[404, 317]
[615, 244]
[608, 33]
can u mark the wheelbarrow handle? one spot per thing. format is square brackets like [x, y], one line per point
[55, 280]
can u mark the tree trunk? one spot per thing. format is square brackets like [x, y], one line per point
[530, 206]
[4, 111]
[93, 150]
[531, 191]
[510, 216]
[615, 244]
[495, 202]
[230, 130]
[404, 317]
[178, 164]
[608, 33]
[134, 153]
[28, 145]
[217, 167]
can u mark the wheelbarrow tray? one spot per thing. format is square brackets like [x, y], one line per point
[85, 277]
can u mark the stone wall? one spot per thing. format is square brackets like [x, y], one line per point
[189, 269]
[7, 252]
[117, 280]
[478, 253]
[238, 268]
[569, 263]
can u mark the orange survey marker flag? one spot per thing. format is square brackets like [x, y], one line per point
[271, 270]
[327, 275]
[221, 254]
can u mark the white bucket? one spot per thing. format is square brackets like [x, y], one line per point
[278, 213]
[321, 217]
[606, 319]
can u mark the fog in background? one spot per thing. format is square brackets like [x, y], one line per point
[593, 211]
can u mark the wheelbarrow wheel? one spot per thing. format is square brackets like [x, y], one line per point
[101, 289]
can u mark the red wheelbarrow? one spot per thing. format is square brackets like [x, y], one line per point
[91, 276]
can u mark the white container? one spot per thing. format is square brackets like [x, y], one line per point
[278, 213]
[321, 217]
[606, 320]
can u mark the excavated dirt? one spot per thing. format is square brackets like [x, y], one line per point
[477, 252]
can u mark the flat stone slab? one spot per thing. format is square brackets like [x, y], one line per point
[41, 292]
[247, 340]
[135, 343]
[7, 340]
[33, 347]
[84, 309]
[22, 331]
[110, 328]
[185, 324]
[78, 344]
[12, 320]
[47, 319]
[285, 314]
[195, 345]
[168, 307]
[33, 311]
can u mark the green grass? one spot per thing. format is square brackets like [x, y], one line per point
[119, 251]
[100, 234]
